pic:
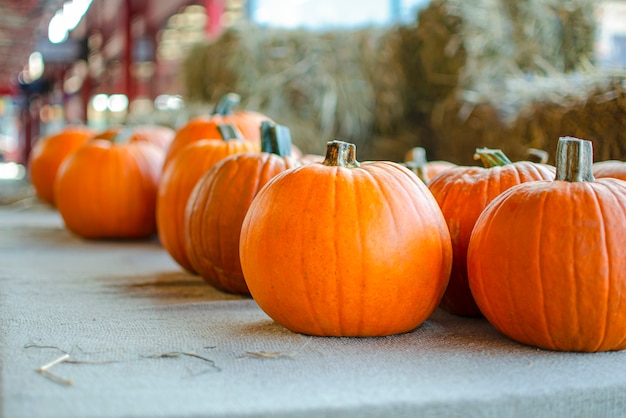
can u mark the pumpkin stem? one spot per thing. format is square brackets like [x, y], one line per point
[340, 153]
[123, 135]
[275, 139]
[574, 160]
[491, 157]
[229, 132]
[537, 155]
[416, 162]
[226, 104]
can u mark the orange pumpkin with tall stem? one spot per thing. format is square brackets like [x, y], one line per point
[342, 248]
[219, 202]
[206, 127]
[462, 193]
[547, 259]
[179, 179]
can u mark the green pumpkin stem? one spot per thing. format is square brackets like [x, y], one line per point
[226, 104]
[416, 162]
[341, 154]
[574, 160]
[275, 139]
[229, 132]
[491, 157]
[123, 135]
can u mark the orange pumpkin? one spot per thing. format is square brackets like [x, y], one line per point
[462, 193]
[342, 248]
[179, 179]
[162, 136]
[108, 190]
[47, 155]
[219, 202]
[415, 160]
[547, 259]
[610, 168]
[206, 127]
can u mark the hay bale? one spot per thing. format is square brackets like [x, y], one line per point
[321, 84]
[510, 74]
[594, 109]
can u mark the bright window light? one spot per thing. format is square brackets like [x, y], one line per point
[118, 103]
[57, 31]
[35, 65]
[100, 102]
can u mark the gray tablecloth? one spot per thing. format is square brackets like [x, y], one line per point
[144, 339]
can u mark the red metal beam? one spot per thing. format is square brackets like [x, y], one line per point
[214, 11]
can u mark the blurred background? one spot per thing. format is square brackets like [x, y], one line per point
[449, 75]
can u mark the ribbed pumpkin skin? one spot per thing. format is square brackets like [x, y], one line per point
[47, 156]
[610, 168]
[215, 213]
[177, 183]
[462, 193]
[105, 190]
[206, 127]
[547, 264]
[336, 251]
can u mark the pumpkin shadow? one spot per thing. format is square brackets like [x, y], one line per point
[172, 287]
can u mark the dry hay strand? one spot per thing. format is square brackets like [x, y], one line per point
[321, 85]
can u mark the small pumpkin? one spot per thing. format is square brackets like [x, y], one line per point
[610, 168]
[547, 259]
[462, 193]
[206, 127]
[108, 189]
[49, 153]
[415, 160]
[179, 179]
[219, 202]
[162, 136]
[342, 248]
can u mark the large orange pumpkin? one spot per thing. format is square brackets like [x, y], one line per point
[108, 190]
[179, 179]
[342, 248]
[547, 259]
[47, 155]
[220, 201]
[462, 193]
[206, 127]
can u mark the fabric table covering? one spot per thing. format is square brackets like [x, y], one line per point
[140, 337]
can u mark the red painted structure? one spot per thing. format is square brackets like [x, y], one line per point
[122, 26]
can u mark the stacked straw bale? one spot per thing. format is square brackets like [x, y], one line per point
[507, 74]
[322, 84]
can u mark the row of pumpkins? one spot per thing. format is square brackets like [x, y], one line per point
[331, 246]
